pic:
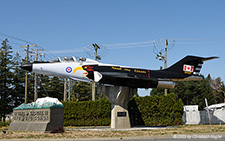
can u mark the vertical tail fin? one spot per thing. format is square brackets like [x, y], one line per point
[189, 65]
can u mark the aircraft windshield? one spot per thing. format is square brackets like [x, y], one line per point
[55, 60]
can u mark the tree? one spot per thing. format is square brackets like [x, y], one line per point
[43, 80]
[50, 86]
[6, 76]
[82, 91]
[195, 92]
[55, 87]
[191, 92]
[18, 82]
[218, 89]
[159, 92]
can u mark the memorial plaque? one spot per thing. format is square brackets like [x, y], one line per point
[121, 114]
[44, 115]
[37, 119]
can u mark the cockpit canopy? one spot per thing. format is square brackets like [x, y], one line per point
[71, 59]
[68, 59]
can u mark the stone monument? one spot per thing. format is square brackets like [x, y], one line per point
[44, 115]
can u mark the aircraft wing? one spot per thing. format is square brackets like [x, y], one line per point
[83, 80]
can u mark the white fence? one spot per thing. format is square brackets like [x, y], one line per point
[201, 117]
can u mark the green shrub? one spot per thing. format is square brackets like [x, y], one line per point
[6, 123]
[155, 110]
[87, 113]
[147, 111]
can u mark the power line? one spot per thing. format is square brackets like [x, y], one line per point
[14, 37]
[134, 45]
[149, 43]
[86, 48]
[205, 42]
[198, 39]
[129, 43]
[47, 53]
[19, 39]
[137, 46]
[142, 44]
[161, 42]
[11, 42]
[67, 50]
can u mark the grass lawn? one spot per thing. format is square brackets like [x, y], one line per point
[181, 129]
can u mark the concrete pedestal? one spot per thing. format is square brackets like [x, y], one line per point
[118, 97]
[120, 118]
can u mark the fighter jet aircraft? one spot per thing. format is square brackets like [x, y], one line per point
[87, 70]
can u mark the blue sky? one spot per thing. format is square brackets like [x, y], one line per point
[126, 27]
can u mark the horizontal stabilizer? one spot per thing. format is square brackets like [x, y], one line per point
[209, 58]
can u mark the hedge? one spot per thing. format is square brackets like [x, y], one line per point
[155, 110]
[147, 111]
[87, 113]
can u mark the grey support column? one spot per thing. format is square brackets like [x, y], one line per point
[118, 96]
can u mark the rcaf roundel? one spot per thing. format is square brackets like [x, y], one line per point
[188, 68]
[68, 69]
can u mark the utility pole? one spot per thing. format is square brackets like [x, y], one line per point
[35, 75]
[96, 57]
[165, 59]
[27, 55]
[65, 90]
[69, 89]
[159, 54]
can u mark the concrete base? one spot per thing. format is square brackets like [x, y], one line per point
[118, 97]
[43, 120]
[120, 118]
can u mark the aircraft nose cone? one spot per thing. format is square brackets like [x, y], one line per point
[27, 67]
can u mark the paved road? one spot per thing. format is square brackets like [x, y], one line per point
[200, 137]
[197, 137]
